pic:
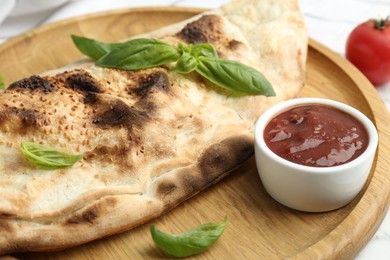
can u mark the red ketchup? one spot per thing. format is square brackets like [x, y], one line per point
[316, 135]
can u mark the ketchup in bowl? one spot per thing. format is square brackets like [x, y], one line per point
[316, 135]
[314, 154]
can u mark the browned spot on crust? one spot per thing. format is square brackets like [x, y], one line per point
[115, 113]
[122, 115]
[82, 81]
[225, 156]
[87, 216]
[5, 226]
[165, 188]
[191, 184]
[205, 29]
[33, 83]
[150, 83]
[115, 153]
[6, 215]
[214, 163]
[92, 213]
[111, 201]
[90, 98]
[234, 45]
[26, 119]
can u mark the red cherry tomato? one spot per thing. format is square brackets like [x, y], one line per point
[368, 48]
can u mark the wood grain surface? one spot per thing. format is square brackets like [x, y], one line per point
[258, 227]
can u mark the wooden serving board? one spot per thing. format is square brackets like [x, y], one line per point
[258, 227]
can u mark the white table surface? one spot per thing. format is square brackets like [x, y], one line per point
[328, 21]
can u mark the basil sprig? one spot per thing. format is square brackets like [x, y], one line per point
[188, 243]
[144, 53]
[47, 156]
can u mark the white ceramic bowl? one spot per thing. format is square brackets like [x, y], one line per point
[308, 188]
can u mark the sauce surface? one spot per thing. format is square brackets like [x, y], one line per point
[316, 135]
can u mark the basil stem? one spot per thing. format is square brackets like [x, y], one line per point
[139, 54]
[47, 156]
[190, 54]
[2, 84]
[203, 50]
[186, 64]
[234, 76]
[188, 243]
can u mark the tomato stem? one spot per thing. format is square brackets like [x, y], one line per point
[381, 24]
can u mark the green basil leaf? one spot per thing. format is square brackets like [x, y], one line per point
[47, 156]
[203, 50]
[186, 63]
[139, 54]
[188, 243]
[93, 48]
[183, 48]
[234, 76]
[2, 83]
[190, 54]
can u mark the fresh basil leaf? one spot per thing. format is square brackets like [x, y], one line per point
[188, 243]
[234, 76]
[93, 48]
[203, 49]
[186, 63]
[2, 83]
[47, 156]
[183, 48]
[139, 54]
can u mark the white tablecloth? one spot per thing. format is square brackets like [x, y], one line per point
[328, 21]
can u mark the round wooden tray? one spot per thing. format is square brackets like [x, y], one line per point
[258, 227]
